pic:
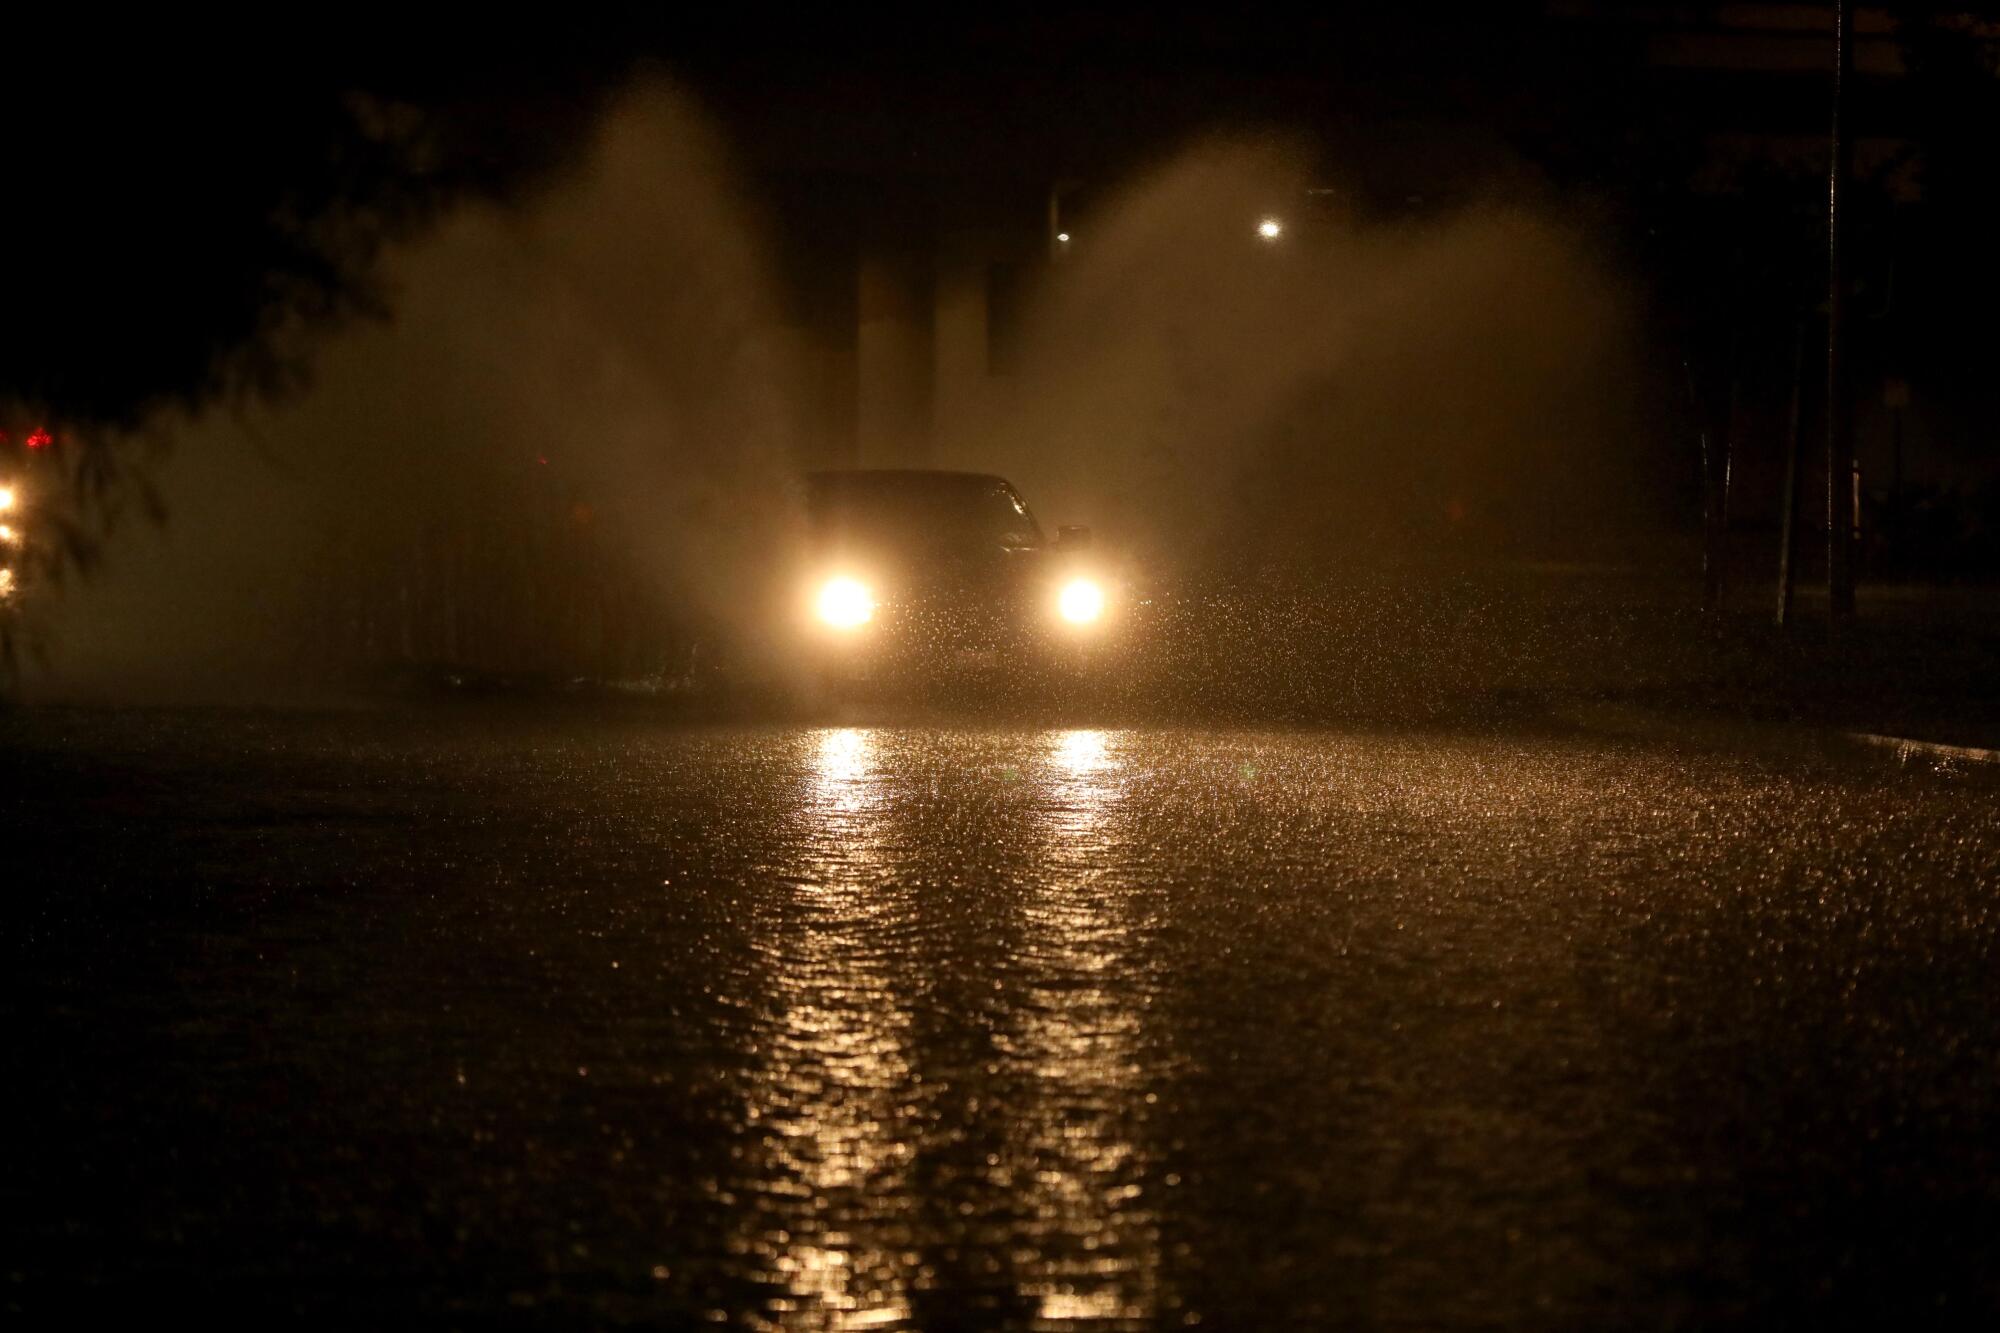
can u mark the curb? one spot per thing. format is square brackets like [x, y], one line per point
[1647, 723]
[1906, 749]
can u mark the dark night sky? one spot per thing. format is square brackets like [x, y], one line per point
[182, 188]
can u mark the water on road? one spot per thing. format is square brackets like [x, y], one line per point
[471, 1018]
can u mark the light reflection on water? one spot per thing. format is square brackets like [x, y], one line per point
[827, 1088]
[1080, 1037]
[1081, 753]
[858, 1170]
[845, 788]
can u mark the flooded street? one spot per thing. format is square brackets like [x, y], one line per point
[599, 1019]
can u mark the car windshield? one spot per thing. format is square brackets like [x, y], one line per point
[918, 510]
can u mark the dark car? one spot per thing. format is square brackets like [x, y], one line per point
[931, 572]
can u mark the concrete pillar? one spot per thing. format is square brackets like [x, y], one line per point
[894, 385]
[960, 357]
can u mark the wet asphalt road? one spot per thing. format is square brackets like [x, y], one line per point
[468, 1019]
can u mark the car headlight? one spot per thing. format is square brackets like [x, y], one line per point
[1081, 601]
[845, 603]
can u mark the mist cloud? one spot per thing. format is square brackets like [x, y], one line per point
[576, 424]
[1349, 390]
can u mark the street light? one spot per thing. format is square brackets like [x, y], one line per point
[1270, 229]
[6, 498]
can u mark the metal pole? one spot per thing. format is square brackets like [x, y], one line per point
[1896, 471]
[1732, 424]
[1710, 561]
[1724, 464]
[1788, 520]
[1839, 420]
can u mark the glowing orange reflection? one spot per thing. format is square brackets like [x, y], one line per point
[1078, 1032]
[833, 1065]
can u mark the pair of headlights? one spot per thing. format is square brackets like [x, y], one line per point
[847, 603]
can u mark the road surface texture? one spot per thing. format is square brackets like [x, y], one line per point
[475, 1018]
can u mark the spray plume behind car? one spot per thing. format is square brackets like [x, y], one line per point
[1230, 388]
[572, 438]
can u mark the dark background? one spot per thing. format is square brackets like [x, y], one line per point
[197, 203]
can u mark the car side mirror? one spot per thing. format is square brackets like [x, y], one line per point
[1072, 537]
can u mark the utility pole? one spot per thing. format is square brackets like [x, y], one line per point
[1788, 540]
[1839, 419]
[1711, 547]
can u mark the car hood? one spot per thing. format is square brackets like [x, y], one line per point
[902, 571]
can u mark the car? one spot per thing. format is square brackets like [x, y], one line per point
[927, 574]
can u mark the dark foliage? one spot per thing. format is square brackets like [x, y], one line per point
[190, 202]
[193, 204]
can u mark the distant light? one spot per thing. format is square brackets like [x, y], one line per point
[846, 603]
[1081, 601]
[40, 439]
[6, 498]
[1270, 229]
[1063, 236]
[6, 582]
[6, 533]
